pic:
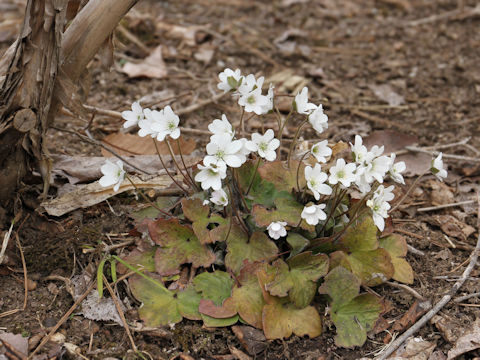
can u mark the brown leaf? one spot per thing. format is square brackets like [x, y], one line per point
[469, 341]
[386, 93]
[128, 144]
[240, 355]
[450, 328]
[414, 349]
[441, 192]
[451, 226]
[408, 319]
[152, 66]
[252, 340]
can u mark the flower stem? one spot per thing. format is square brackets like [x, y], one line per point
[295, 138]
[185, 166]
[176, 163]
[147, 199]
[298, 169]
[399, 202]
[235, 210]
[242, 124]
[166, 169]
[281, 126]
[252, 178]
[237, 186]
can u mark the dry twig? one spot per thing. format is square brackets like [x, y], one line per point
[444, 206]
[407, 289]
[445, 299]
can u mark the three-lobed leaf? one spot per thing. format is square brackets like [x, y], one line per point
[396, 246]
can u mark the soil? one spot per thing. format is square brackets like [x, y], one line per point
[341, 49]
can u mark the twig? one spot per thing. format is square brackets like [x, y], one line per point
[132, 38]
[25, 275]
[402, 199]
[109, 149]
[445, 156]
[120, 313]
[444, 206]
[415, 251]
[407, 289]
[409, 233]
[445, 299]
[108, 248]
[63, 319]
[466, 297]
[458, 13]
[381, 121]
[6, 238]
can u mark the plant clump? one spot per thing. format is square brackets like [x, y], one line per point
[269, 240]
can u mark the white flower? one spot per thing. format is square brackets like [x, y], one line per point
[254, 101]
[221, 128]
[211, 175]
[113, 174]
[315, 181]
[133, 117]
[265, 145]
[245, 149]
[343, 173]
[313, 214]
[276, 229]
[168, 126]
[249, 83]
[219, 197]
[318, 119]
[269, 106]
[376, 169]
[396, 169]
[301, 103]
[224, 150]
[359, 150]
[229, 79]
[160, 124]
[321, 151]
[380, 206]
[437, 168]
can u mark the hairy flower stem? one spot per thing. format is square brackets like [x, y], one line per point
[295, 138]
[239, 190]
[241, 126]
[235, 210]
[186, 177]
[185, 166]
[166, 169]
[252, 178]
[337, 200]
[147, 199]
[298, 170]
[399, 202]
[281, 126]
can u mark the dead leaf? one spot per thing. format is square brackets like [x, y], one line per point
[16, 341]
[451, 226]
[129, 144]
[386, 93]
[152, 66]
[441, 193]
[205, 53]
[88, 195]
[414, 349]
[189, 34]
[252, 340]
[239, 355]
[448, 327]
[469, 341]
[408, 319]
[395, 141]
[288, 3]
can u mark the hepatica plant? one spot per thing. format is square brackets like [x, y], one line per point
[267, 238]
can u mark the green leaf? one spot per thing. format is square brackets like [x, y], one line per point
[217, 307]
[178, 245]
[202, 221]
[372, 267]
[298, 278]
[284, 178]
[397, 248]
[162, 307]
[240, 248]
[281, 320]
[297, 243]
[288, 210]
[248, 295]
[150, 212]
[354, 319]
[140, 260]
[352, 314]
[360, 236]
[216, 286]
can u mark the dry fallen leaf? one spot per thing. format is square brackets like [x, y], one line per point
[386, 93]
[84, 196]
[152, 66]
[18, 342]
[449, 327]
[129, 144]
[469, 341]
[414, 349]
[441, 192]
[205, 53]
[451, 226]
